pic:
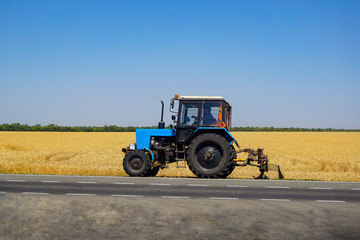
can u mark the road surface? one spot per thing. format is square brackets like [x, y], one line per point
[231, 189]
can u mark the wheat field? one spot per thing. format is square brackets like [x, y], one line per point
[333, 156]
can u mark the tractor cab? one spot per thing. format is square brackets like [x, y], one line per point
[198, 113]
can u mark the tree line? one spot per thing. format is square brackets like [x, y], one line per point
[114, 128]
[292, 129]
[56, 128]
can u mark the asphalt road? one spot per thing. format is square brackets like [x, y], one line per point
[82, 207]
[182, 188]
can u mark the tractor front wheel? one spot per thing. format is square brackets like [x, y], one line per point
[210, 156]
[137, 164]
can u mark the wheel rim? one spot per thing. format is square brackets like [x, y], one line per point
[209, 156]
[136, 163]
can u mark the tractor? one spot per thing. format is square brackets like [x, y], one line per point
[199, 138]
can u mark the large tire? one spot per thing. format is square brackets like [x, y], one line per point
[210, 156]
[137, 164]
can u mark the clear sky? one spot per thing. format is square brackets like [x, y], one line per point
[95, 63]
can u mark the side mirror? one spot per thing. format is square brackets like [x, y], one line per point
[172, 103]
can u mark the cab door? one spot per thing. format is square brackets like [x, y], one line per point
[188, 121]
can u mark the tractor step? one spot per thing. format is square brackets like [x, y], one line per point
[180, 156]
[179, 164]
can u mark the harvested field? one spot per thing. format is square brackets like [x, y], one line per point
[333, 156]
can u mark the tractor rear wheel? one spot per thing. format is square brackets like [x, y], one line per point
[137, 164]
[210, 156]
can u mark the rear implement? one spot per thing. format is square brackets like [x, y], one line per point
[258, 159]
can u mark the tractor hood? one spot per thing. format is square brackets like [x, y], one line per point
[143, 136]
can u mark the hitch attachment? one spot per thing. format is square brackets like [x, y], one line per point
[262, 162]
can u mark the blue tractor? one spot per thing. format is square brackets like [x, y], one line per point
[199, 138]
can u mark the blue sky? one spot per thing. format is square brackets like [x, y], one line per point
[278, 63]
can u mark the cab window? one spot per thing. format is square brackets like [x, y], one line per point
[189, 114]
[210, 113]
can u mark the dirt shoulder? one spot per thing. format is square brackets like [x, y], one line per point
[96, 217]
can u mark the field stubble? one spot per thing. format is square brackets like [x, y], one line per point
[333, 156]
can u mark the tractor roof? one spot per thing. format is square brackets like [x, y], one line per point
[201, 98]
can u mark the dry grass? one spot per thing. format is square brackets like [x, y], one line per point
[316, 156]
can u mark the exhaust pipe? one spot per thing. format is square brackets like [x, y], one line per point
[161, 123]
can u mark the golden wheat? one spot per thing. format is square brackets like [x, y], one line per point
[333, 156]
[301, 155]
[63, 153]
